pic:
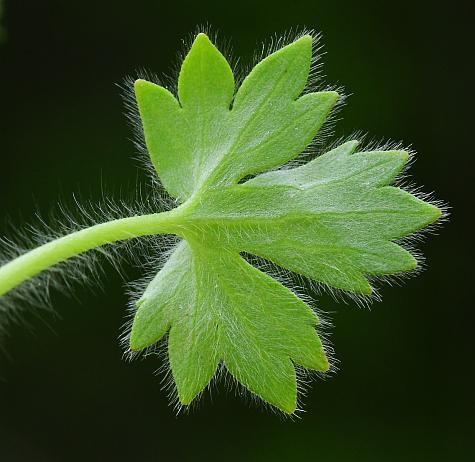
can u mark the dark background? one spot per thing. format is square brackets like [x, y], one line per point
[405, 388]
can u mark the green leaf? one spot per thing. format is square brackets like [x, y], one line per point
[335, 219]
[199, 293]
[199, 143]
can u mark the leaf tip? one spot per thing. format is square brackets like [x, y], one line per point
[202, 40]
[185, 396]
[306, 40]
[431, 213]
[413, 263]
[319, 363]
[435, 213]
[352, 145]
[324, 364]
[332, 96]
[403, 155]
[303, 46]
[138, 338]
[185, 400]
[141, 85]
[135, 343]
[400, 157]
[366, 289]
[287, 404]
[290, 408]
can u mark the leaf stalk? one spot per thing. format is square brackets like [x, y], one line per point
[37, 260]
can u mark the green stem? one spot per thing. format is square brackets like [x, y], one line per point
[33, 262]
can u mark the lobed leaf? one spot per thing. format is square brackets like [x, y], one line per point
[200, 142]
[220, 308]
[335, 219]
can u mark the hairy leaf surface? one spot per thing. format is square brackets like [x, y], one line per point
[334, 220]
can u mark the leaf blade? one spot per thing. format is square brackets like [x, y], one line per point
[218, 314]
[336, 220]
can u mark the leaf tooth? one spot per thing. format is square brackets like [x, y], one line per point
[285, 70]
[206, 79]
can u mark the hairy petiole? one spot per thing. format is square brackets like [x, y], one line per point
[41, 258]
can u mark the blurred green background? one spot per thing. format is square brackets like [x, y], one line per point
[405, 388]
